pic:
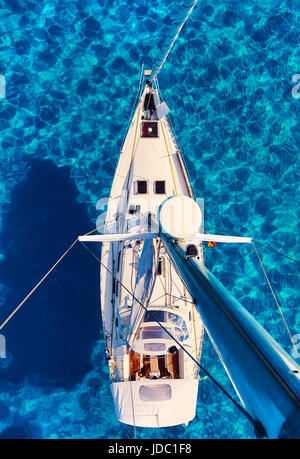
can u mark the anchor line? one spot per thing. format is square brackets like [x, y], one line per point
[173, 40]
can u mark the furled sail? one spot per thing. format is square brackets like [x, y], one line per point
[143, 289]
[266, 378]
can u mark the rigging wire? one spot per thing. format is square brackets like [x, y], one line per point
[270, 286]
[171, 167]
[276, 301]
[175, 137]
[259, 243]
[138, 94]
[133, 106]
[275, 251]
[173, 40]
[240, 407]
[245, 336]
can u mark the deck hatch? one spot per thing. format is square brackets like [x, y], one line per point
[154, 316]
[156, 393]
[149, 129]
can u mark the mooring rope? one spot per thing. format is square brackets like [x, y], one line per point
[37, 285]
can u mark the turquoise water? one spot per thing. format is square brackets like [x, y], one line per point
[72, 71]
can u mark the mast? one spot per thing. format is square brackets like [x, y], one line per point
[265, 377]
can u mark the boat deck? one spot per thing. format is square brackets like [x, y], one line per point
[150, 169]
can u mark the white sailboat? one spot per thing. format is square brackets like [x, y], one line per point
[154, 384]
[157, 295]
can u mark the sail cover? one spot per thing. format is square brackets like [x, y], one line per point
[143, 288]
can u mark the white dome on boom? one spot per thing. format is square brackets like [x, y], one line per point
[180, 216]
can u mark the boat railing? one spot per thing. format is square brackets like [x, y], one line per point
[176, 142]
[138, 96]
[175, 138]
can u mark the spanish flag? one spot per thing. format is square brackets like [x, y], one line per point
[211, 244]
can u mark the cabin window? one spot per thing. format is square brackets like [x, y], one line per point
[180, 328]
[149, 129]
[156, 393]
[155, 347]
[154, 333]
[153, 316]
[160, 187]
[142, 187]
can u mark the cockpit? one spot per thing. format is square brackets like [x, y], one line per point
[154, 366]
[155, 354]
